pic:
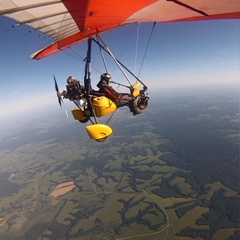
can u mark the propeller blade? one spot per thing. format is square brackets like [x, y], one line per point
[65, 109]
[56, 85]
[60, 101]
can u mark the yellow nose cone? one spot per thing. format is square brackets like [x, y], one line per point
[99, 132]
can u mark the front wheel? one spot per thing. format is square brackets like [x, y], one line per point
[142, 102]
[84, 120]
[102, 139]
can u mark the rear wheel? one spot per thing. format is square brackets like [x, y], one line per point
[142, 103]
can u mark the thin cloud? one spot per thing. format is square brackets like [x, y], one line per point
[27, 103]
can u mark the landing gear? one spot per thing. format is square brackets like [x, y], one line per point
[102, 139]
[84, 120]
[142, 102]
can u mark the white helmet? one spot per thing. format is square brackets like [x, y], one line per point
[71, 79]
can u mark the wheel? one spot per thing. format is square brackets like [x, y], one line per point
[102, 139]
[142, 103]
[84, 120]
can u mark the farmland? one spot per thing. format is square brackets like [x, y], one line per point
[171, 174]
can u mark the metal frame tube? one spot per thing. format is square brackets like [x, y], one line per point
[115, 60]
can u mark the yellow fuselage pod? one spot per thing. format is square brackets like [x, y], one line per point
[136, 91]
[78, 114]
[103, 106]
[98, 132]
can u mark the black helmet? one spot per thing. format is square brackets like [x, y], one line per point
[71, 79]
[106, 77]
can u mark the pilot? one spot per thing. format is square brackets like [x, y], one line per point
[118, 98]
[74, 89]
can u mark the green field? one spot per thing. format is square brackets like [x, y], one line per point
[157, 183]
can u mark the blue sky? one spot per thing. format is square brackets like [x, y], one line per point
[180, 55]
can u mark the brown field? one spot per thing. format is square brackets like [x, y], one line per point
[63, 188]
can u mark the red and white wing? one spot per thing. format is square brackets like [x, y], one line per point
[68, 22]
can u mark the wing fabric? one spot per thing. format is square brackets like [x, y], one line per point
[69, 22]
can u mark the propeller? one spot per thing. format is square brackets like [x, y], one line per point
[60, 101]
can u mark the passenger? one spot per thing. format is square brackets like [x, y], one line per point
[118, 98]
[74, 89]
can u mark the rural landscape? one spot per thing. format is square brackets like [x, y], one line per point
[171, 173]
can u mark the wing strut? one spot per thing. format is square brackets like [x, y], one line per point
[114, 58]
[103, 58]
[106, 49]
[87, 78]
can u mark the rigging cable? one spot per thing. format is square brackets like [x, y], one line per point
[146, 48]
[76, 56]
[125, 46]
[72, 54]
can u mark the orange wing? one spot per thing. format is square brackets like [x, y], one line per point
[69, 22]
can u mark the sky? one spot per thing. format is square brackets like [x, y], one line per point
[180, 55]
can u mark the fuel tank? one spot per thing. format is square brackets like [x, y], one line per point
[103, 106]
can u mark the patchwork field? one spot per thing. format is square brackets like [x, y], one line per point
[146, 182]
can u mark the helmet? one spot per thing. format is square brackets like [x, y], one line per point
[71, 79]
[106, 77]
